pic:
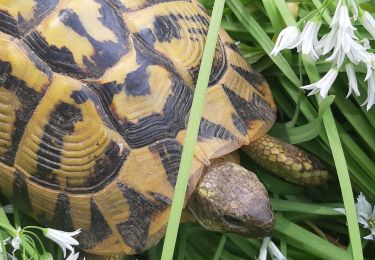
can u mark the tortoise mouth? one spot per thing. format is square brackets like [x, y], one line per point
[259, 229]
[252, 227]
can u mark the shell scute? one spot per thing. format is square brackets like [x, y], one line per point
[69, 145]
[95, 38]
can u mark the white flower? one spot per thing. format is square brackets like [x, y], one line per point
[341, 17]
[307, 41]
[73, 256]
[324, 84]
[354, 7]
[370, 66]
[368, 21]
[342, 40]
[64, 239]
[272, 248]
[16, 241]
[5, 241]
[353, 85]
[370, 101]
[365, 214]
[286, 39]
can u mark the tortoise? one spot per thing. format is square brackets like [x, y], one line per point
[94, 101]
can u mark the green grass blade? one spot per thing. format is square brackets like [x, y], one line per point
[182, 243]
[298, 134]
[220, 247]
[355, 117]
[341, 168]
[262, 38]
[286, 205]
[345, 184]
[272, 12]
[243, 244]
[307, 241]
[192, 131]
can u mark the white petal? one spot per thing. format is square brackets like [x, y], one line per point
[286, 39]
[344, 19]
[368, 22]
[307, 41]
[353, 4]
[275, 251]
[335, 18]
[327, 81]
[63, 246]
[363, 207]
[362, 221]
[73, 256]
[370, 101]
[16, 243]
[353, 85]
[263, 249]
[64, 239]
[329, 41]
[369, 237]
[341, 210]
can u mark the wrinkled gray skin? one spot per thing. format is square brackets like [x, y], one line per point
[229, 198]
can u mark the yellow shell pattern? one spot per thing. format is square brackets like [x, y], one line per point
[94, 101]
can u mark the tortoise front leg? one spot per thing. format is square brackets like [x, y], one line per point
[286, 161]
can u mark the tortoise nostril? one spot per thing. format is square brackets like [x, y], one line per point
[234, 221]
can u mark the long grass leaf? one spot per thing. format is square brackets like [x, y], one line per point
[307, 241]
[286, 205]
[220, 247]
[192, 131]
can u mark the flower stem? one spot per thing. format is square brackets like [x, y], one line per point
[4, 223]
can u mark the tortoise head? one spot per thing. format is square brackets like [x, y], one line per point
[229, 198]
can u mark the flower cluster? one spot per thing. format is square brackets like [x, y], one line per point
[65, 240]
[341, 46]
[22, 235]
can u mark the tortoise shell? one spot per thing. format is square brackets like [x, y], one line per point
[94, 101]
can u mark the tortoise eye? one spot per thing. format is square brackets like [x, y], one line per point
[233, 221]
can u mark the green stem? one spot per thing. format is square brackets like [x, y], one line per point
[345, 184]
[4, 222]
[192, 131]
[220, 247]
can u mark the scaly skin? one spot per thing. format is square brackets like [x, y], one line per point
[286, 161]
[230, 198]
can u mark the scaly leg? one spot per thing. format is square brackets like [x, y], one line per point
[286, 161]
